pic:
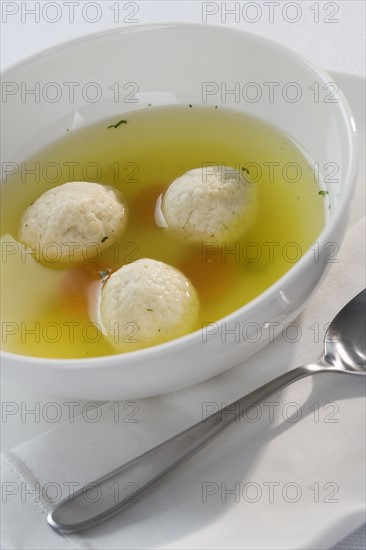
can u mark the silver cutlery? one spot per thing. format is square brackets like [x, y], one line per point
[344, 352]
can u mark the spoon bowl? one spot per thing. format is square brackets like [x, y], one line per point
[345, 340]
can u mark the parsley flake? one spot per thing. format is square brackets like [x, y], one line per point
[117, 124]
[104, 274]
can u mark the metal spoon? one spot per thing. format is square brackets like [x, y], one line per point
[345, 351]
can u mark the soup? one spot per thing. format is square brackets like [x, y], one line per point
[50, 309]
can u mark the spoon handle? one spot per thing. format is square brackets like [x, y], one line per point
[125, 484]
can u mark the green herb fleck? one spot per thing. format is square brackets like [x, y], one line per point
[104, 239]
[104, 274]
[190, 106]
[149, 309]
[323, 193]
[215, 106]
[117, 124]
[245, 170]
[149, 104]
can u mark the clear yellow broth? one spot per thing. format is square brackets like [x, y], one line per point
[49, 311]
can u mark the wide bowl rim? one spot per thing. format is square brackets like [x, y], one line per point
[294, 271]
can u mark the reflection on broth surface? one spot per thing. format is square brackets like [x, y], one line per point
[51, 310]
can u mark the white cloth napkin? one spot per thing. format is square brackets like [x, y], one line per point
[354, 541]
[291, 480]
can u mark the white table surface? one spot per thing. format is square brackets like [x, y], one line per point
[332, 34]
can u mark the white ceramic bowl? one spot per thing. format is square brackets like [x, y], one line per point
[170, 64]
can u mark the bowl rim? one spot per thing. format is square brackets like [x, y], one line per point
[193, 338]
